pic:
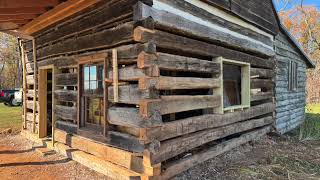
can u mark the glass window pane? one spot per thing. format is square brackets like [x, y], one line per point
[93, 85]
[86, 73]
[93, 73]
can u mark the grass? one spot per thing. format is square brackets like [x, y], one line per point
[310, 129]
[10, 117]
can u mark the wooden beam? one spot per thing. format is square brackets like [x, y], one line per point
[27, 3]
[58, 13]
[24, 84]
[22, 10]
[35, 84]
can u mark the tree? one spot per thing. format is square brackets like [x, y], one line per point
[10, 65]
[304, 24]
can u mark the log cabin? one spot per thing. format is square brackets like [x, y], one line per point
[146, 89]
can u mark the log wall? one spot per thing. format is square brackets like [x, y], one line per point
[167, 75]
[290, 111]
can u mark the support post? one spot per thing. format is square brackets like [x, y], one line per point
[24, 85]
[35, 74]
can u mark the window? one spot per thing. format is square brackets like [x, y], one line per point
[293, 76]
[235, 85]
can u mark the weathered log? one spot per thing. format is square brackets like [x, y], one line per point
[174, 147]
[262, 73]
[198, 30]
[66, 113]
[66, 79]
[188, 46]
[131, 94]
[66, 95]
[177, 63]
[170, 83]
[176, 167]
[130, 117]
[262, 83]
[174, 104]
[261, 96]
[197, 123]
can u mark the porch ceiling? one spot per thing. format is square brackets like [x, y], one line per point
[14, 14]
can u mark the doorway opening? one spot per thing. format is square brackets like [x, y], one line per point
[45, 102]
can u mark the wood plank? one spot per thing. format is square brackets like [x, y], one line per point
[188, 46]
[174, 147]
[124, 158]
[193, 124]
[177, 63]
[22, 10]
[67, 113]
[171, 83]
[56, 14]
[66, 95]
[130, 117]
[131, 94]
[176, 167]
[174, 104]
[115, 75]
[67, 79]
[177, 23]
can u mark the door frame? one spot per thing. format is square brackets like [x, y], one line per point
[42, 95]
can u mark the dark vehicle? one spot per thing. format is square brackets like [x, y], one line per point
[11, 97]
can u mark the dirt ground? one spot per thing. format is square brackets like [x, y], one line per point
[20, 161]
[269, 158]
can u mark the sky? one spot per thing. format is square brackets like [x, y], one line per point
[293, 3]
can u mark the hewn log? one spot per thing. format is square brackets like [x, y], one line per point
[262, 83]
[66, 126]
[177, 63]
[213, 33]
[170, 83]
[174, 147]
[30, 118]
[131, 94]
[261, 96]
[114, 155]
[130, 117]
[188, 46]
[262, 73]
[132, 73]
[66, 113]
[66, 95]
[66, 79]
[193, 124]
[176, 167]
[116, 36]
[174, 104]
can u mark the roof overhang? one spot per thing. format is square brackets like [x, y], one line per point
[24, 18]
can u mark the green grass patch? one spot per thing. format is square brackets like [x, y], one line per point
[10, 117]
[310, 129]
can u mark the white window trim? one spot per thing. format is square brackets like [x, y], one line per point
[245, 85]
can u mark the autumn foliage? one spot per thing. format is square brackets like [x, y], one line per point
[304, 24]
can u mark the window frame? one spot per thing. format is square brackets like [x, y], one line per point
[292, 76]
[101, 59]
[245, 85]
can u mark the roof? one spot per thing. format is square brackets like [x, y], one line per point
[25, 17]
[310, 63]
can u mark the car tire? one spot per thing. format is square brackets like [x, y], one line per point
[12, 102]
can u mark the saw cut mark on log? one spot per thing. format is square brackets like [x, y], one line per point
[115, 75]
